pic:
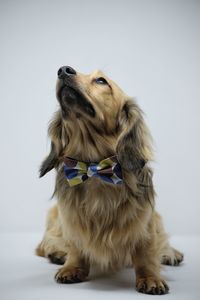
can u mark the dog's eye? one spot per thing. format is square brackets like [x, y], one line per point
[101, 80]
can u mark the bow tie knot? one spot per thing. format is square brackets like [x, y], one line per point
[77, 172]
[90, 173]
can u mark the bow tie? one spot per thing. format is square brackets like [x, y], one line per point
[107, 169]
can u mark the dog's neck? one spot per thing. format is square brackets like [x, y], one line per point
[88, 143]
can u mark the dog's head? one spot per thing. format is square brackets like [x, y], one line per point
[96, 120]
[94, 97]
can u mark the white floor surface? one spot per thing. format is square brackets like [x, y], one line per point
[26, 276]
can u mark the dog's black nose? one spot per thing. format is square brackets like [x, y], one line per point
[65, 71]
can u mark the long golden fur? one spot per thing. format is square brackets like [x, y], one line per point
[97, 222]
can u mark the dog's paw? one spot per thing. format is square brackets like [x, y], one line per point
[57, 258]
[151, 285]
[71, 275]
[172, 260]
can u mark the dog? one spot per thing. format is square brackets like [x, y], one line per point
[105, 214]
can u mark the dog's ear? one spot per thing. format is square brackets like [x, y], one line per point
[134, 143]
[50, 162]
[55, 133]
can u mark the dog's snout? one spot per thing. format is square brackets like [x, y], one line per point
[65, 71]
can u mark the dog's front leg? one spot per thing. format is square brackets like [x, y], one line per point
[147, 268]
[75, 269]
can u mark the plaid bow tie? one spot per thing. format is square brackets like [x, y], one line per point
[107, 169]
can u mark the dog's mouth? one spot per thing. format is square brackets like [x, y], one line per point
[72, 99]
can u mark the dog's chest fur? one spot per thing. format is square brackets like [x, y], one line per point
[102, 222]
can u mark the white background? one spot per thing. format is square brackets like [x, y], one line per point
[150, 48]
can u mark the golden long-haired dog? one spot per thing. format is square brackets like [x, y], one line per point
[101, 148]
